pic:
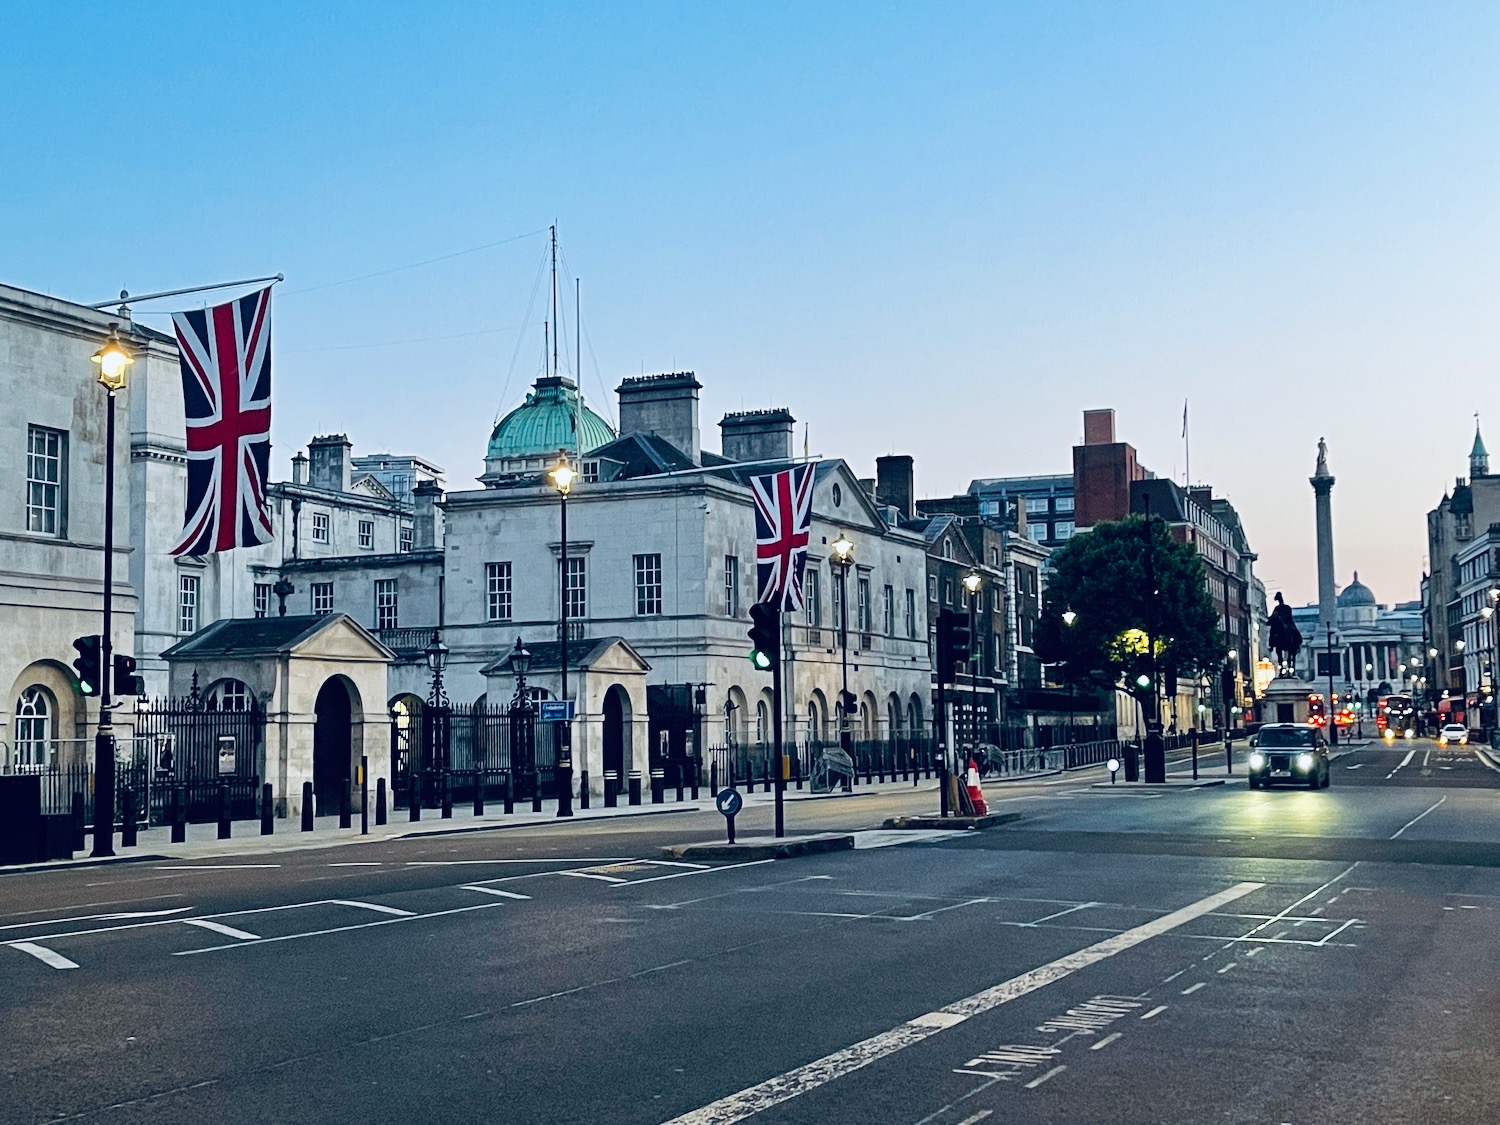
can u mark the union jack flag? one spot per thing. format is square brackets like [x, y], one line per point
[226, 394]
[783, 522]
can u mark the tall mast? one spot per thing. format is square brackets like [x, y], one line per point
[554, 296]
[578, 365]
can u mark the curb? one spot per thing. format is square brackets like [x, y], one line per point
[558, 821]
[956, 823]
[1157, 786]
[761, 847]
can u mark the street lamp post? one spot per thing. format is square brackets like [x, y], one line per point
[1333, 722]
[522, 728]
[1155, 749]
[972, 584]
[562, 476]
[1069, 617]
[113, 361]
[843, 559]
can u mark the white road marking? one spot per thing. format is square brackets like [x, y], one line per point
[335, 930]
[1059, 914]
[1192, 988]
[1174, 976]
[1227, 967]
[220, 928]
[1253, 952]
[360, 863]
[491, 862]
[498, 893]
[1410, 754]
[1418, 817]
[589, 875]
[685, 874]
[810, 1076]
[980, 1116]
[1355, 766]
[1107, 1040]
[44, 955]
[95, 918]
[378, 907]
[1039, 1079]
[221, 867]
[883, 838]
[1154, 1012]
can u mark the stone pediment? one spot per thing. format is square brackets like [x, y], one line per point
[614, 655]
[334, 636]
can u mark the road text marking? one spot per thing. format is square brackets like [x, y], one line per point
[1154, 1012]
[1107, 1040]
[1192, 988]
[1039, 1079]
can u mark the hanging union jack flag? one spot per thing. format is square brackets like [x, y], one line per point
[783, 522]
[226, 392]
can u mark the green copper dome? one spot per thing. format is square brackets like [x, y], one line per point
[545, 422]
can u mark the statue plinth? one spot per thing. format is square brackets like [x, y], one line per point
[1285, 700]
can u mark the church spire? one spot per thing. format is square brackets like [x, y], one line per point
[1479, 457]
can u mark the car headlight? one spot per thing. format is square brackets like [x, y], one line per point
[1304, 762]
[1257, 760]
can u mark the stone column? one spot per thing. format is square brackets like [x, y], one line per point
[1322, 483]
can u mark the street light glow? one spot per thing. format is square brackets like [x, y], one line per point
[1069, 617]
[562, 474]
[113, 360]
[842, 549]
[972, 582]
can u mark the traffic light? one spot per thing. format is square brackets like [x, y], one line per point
[765, 635]
[952, 642]
[126, 681]
[87, 664]
[848, 704]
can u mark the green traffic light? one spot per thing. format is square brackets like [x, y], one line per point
[761, 660]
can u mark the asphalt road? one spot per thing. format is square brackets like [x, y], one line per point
[1120, 955]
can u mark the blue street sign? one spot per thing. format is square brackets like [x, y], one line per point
[555, 710]
[729, 802]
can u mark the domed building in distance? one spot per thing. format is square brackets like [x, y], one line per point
[1376, 648]
[526, 441]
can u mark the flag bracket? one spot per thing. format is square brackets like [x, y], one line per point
[125, 296]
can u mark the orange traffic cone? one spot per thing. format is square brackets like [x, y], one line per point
[976, 797]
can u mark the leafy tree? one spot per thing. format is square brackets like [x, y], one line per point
[1097, 612]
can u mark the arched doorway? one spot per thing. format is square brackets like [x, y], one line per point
[333, 745]
[617, 722]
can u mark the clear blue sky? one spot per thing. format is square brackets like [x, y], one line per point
[938, 229]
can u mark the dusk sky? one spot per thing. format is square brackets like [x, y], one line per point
[938, 229]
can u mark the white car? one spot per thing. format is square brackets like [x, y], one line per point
[1453, 732]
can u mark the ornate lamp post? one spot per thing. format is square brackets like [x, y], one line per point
[520, 664]
[113, 362]
[972, 585]
[843, 559]
[562, 477]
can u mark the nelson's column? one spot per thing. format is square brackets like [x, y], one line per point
[1322, 482]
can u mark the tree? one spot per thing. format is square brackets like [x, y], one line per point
[1097, 612]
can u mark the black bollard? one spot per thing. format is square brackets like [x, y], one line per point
[797, 770]
[364, 795]
[307, 806]
[447, 795]
[508, 795]
[697, 776]
[713, 778]
[346, 802]
[583, 789]
[536, 791]
[611, 789]
[414, 797]
[267, 811]
[128, 825]
[658, 786]
[80, 824]
[179, 816]
[380, 801]
[224, 821]
[679, 782]
[635, 787]
[478, 792]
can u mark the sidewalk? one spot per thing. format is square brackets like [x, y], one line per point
[203, 843]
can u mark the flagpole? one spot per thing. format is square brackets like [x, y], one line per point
[125, 294]
[1187, 448]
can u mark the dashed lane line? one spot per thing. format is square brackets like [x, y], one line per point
[1039, 1079]
[44, 955]
[1192, 988]
[1107, 1040]
[1410, 754]
[221, 867]
[810, 1076]
[1154, 1012]
[335, 930]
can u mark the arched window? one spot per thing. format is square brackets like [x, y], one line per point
[762, 720]
[228, 695]
[814, 728]
[947, 548]
[34, 716]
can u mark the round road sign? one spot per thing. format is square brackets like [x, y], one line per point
[729, 801]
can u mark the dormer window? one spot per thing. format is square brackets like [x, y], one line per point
[591, 472]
